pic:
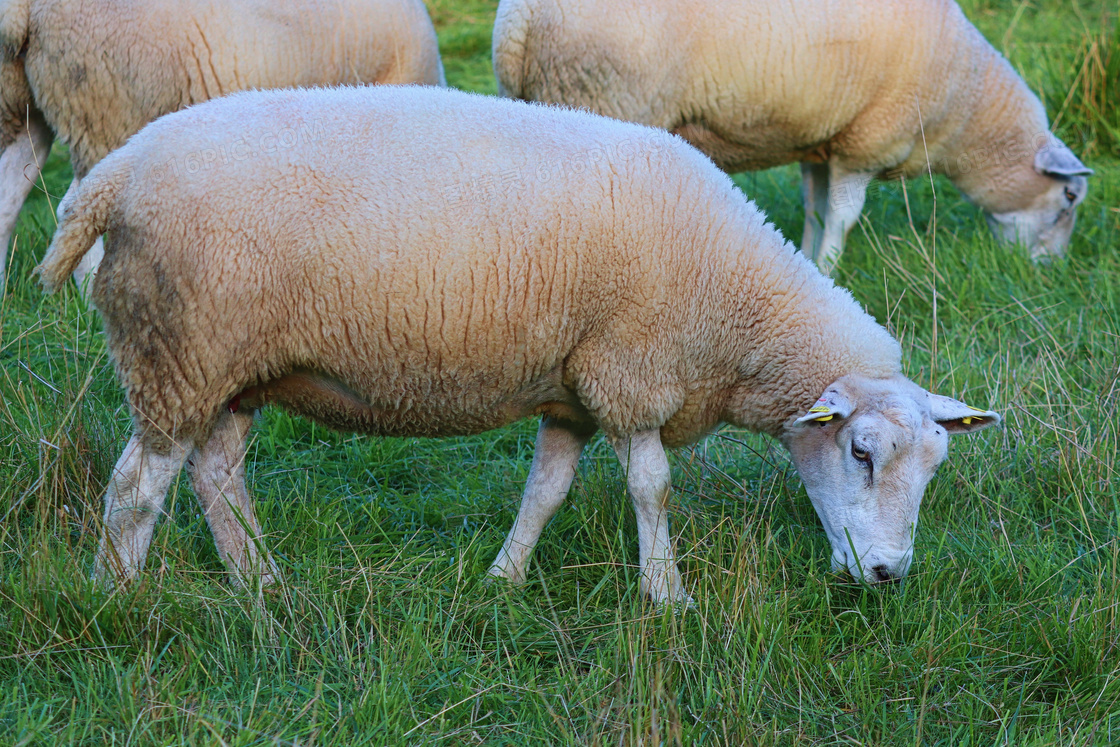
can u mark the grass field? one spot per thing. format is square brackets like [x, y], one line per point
[1006, 631]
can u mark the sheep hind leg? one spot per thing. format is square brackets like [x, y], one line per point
[217, 472]
[647, 475]
[86, 270]
[555, 459]
[133, 503]
[30, 149]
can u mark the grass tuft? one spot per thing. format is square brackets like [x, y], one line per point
[1090, 106]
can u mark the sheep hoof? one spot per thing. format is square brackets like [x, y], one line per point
[682, 602]
[669, 595]
[504, 574]
[110, 574]
[261, 579]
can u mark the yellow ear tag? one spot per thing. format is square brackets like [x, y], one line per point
[974, 409]
[967, 421]
[820, 408]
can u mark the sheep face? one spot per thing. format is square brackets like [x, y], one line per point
[1045, 224]
[866, 451]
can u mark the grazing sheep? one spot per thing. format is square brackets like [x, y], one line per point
[438, 263]
[94, 73]
[851, 90]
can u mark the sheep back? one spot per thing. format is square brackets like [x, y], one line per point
[757, 84]
[151, 58]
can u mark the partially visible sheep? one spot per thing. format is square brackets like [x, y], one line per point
[601, 274]
[853, 90]
[95, 72]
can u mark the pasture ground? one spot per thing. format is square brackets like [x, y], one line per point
[1006, 631]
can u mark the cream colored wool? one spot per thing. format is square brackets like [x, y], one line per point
[852, 89]
[432, 263]
[93, 73]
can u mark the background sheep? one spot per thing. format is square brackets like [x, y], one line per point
[94, 73]
[851, 90]
[554, 274]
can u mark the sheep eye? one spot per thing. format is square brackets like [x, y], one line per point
[860, 455]
[1070, 195]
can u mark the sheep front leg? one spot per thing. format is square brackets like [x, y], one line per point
[133, 503]
[647, 475]
[217, 472]
[20, 163]
[555, 458]
[846, 194]
[814, 195]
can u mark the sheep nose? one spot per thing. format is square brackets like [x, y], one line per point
[882, 574]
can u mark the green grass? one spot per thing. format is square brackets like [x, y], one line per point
[1005, 633]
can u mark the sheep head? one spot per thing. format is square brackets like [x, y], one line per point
[1045, 221]
[866, 451]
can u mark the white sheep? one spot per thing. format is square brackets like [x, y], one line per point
[440, 263]
[852, 89]
[93, 73]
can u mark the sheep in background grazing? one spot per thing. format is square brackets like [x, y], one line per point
[604, 275]
[94, 73]
[852, 89]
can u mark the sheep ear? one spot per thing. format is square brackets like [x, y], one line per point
[1058, 160]
[833, 405]
[957, 417]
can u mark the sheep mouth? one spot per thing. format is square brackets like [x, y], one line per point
[874, 575]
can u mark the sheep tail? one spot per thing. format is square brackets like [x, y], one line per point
[83, 215]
